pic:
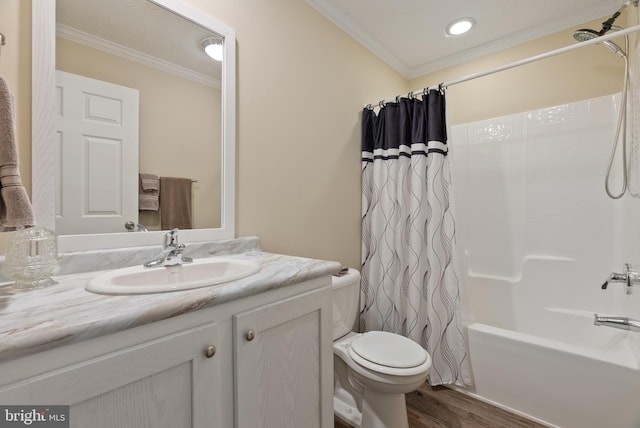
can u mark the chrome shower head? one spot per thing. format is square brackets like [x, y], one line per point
[585, 34]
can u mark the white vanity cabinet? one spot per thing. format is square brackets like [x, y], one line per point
[169, 382]
[284, 361]
[265, 360]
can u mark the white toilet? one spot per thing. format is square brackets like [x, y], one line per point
[374, 370]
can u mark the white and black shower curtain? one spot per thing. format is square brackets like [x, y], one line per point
[409, 284]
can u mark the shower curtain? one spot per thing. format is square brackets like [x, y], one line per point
[409, 284]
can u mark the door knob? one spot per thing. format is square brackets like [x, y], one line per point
[210, 351]
[250, 335]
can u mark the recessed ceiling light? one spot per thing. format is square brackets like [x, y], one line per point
[460, 26]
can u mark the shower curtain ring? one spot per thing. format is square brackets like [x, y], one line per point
[410, 95]
[369, 107]
[425, 91]
[381, 104]
[397, 99]
[441, 88]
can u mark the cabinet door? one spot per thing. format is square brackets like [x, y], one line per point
[284, 365]
[168, 382]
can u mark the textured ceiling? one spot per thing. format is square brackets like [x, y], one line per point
[143, 27]
[407, 34]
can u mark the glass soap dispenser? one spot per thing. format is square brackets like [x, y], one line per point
[32, 258]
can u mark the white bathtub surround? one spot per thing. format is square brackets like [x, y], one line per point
[633, 110]
[539, 237]
[409, 284]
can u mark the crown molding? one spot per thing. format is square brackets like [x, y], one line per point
[107, 46]
[355, 31]
[411, 72]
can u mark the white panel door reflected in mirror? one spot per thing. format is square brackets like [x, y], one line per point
[97, 130]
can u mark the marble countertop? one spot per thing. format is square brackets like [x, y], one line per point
[66, 313]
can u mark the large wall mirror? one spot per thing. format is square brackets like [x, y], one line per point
[124, 88]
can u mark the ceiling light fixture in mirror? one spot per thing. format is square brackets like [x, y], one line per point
[213, 47]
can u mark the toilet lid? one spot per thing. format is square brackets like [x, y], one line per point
[387, 350]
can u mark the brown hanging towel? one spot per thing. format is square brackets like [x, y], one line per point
[175, 203]
[15, 207]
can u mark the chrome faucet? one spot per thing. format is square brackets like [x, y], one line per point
[623, 323]
[630, 277]
[135, 227]
[171, 252]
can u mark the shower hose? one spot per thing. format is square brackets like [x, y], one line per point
[622, 120]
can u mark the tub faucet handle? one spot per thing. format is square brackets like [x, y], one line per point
[615, 277]
[631, 276]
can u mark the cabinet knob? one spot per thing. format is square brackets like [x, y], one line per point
[250, 335]
[210, 351]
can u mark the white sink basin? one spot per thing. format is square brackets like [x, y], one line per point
[199, 273]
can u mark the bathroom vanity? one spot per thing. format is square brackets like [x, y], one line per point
[255, 352]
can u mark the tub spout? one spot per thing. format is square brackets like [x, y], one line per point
[623, 323]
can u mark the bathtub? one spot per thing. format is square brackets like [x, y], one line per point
[537, 236]
[551, 363]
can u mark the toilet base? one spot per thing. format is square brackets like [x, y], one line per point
[378, 411]
[384, 411]
[347, 413]
[369, 399]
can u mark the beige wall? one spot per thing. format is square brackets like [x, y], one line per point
[302, 83]
[298, 165]
[180, 124]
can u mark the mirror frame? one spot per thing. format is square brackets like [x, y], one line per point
[43, 134]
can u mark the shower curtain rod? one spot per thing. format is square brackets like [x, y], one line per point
[514, 64]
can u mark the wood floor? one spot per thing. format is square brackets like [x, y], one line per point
[440, 407]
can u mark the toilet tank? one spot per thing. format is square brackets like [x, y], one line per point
[346, 295]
